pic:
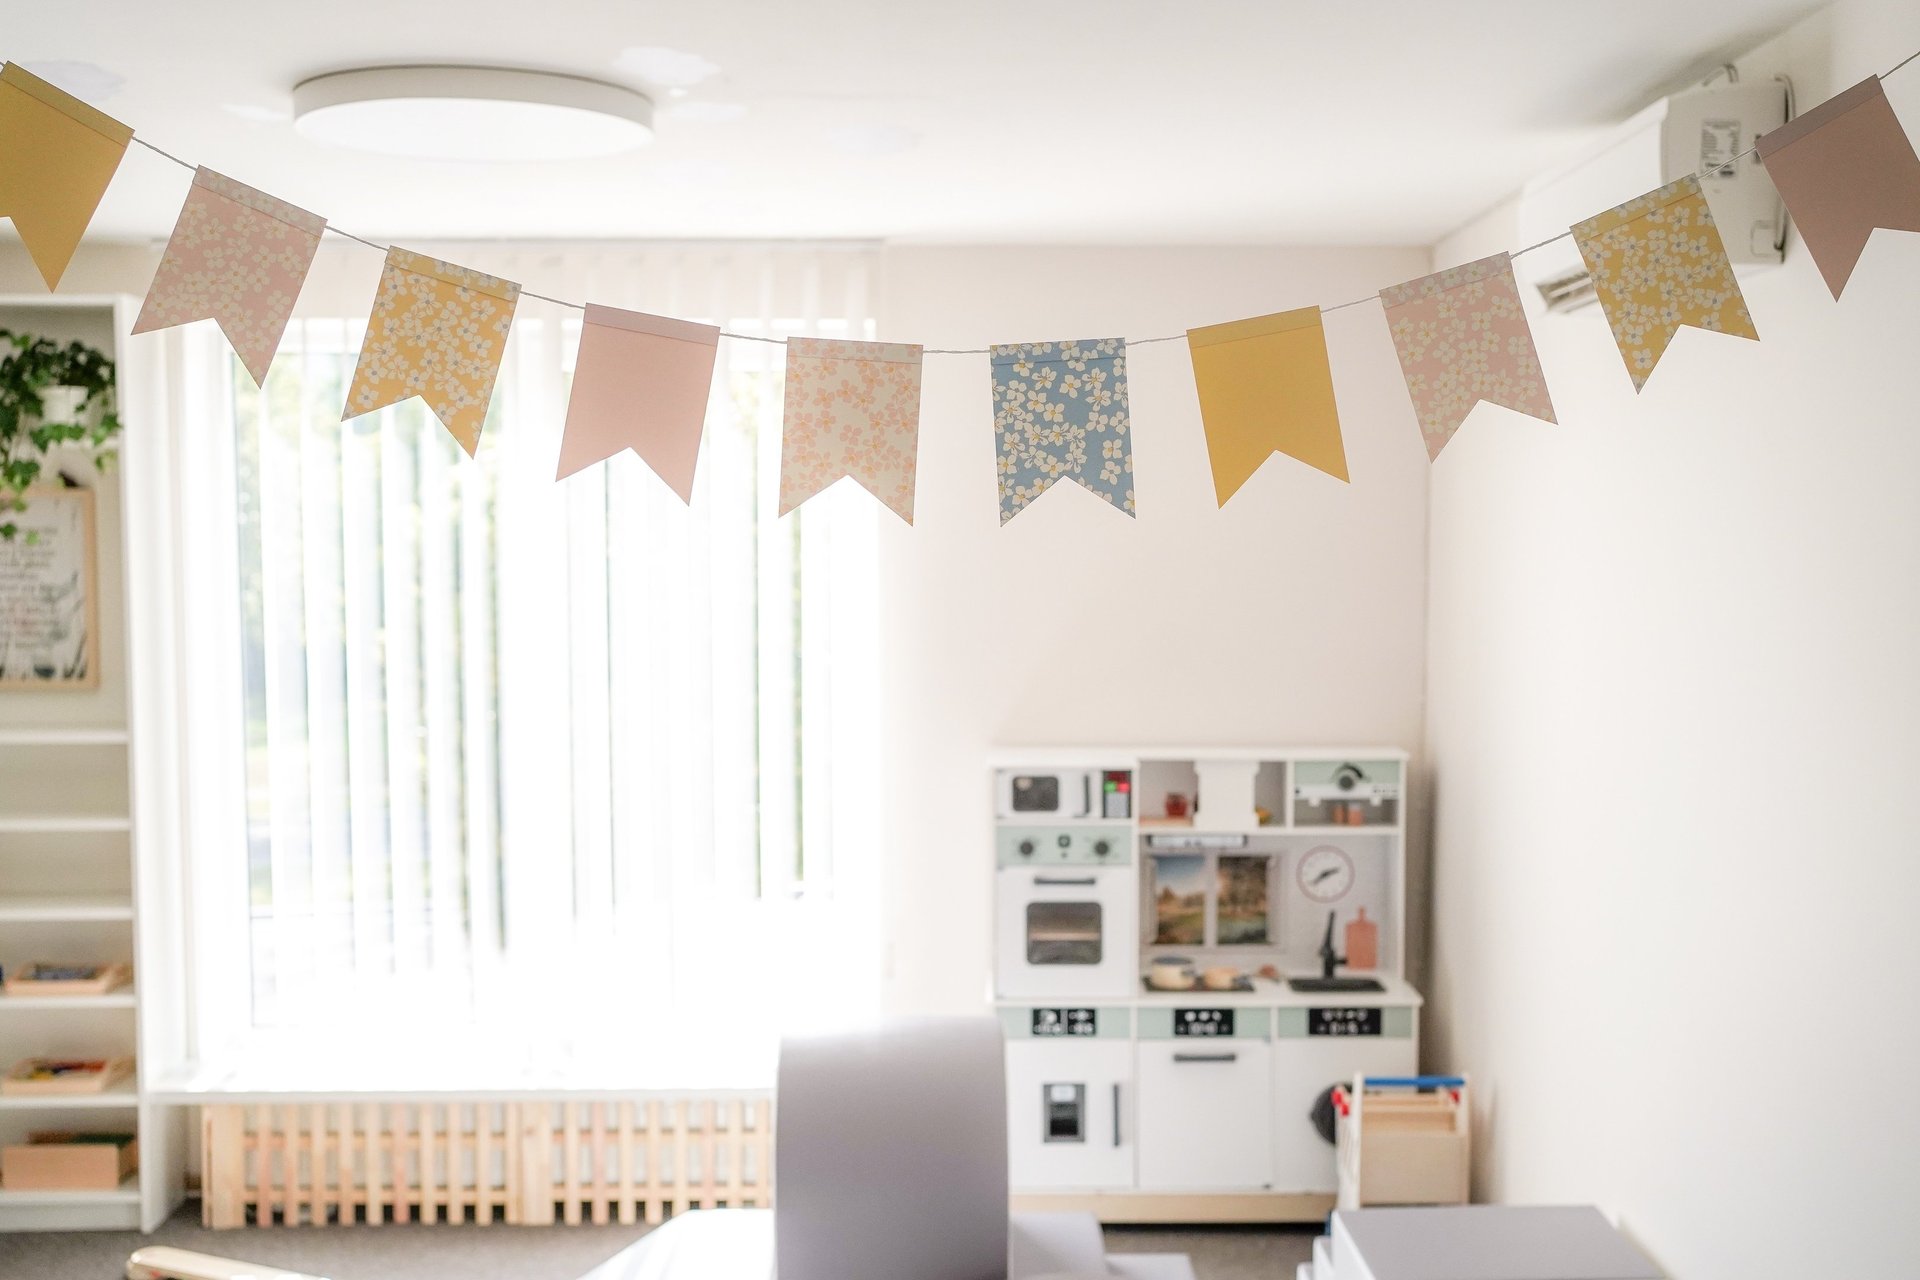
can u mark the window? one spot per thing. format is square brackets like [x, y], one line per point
[519, 753]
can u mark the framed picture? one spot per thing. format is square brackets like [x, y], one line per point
[50, 594]
[1180, 900]
[1213, 899]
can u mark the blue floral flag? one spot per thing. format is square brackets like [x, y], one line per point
[1060, 412]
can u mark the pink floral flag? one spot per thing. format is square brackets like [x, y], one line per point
[1462, 337]
[641, 383]
[853, 409]
[237, 257]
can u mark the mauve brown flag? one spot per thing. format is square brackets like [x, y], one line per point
[1843, 169]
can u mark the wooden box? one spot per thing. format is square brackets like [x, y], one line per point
[106, 978]
[69, 1162]
[59, 1076]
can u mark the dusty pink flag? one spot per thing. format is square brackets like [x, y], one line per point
[1462, 337]
[1843, 169]
[641, 383]
[853, 409]
[237, 256]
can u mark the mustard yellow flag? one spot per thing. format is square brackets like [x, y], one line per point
[1657, 263]
[437, 331]
[1265, 388]
[57, 155]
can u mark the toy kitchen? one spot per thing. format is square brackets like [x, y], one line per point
[1192, 947]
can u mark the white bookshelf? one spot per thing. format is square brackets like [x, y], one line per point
[83, 818]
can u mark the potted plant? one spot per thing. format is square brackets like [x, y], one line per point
[52, 396]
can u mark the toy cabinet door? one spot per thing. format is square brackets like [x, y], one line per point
[1302, 1069]
[1070, 1123]
[1204, 1115]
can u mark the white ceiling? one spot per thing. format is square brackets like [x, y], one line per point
[1031, 121]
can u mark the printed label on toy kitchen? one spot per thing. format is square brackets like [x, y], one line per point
[1343, 1022]
[1203, 1022]
[1064, 1022]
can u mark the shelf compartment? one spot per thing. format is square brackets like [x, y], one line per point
[127, 1192]
[62, 737]
[123, 998]
[50, 909]
[122, 1094]
[54, 824]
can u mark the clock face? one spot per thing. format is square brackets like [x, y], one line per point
[1325, 874]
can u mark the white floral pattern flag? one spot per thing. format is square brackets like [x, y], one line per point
[1657, 264]
[1060, 413]
[438, 331]
[237, 257]
[852, 409]
[1462, 337]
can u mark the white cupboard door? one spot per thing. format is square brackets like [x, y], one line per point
[1204, 1115]
[1070, 1115]
[1302, 1069]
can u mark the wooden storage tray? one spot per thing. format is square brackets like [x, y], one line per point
[110, 977]
[19, 1079]
[54, 1162]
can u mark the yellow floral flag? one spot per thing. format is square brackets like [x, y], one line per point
[437, 332]
[57, 155]
[1657, 263]
[1265, 388]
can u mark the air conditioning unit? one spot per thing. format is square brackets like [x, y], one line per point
[1687, 133]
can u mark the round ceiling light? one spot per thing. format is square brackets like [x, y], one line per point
[472, 113]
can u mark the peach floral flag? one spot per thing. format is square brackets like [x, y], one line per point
[437, 332]
[1265, 388]
[237, 256]
[640, 382]
[853, 409]
[1657, 263]
[57, 155]
[1843, 169]
[1462, 337]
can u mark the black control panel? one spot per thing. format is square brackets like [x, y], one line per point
[1203, 1022]
[1343, 1022]
[1064, 1022]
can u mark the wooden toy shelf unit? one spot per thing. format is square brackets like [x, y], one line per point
[1124, 875]
[78, 794]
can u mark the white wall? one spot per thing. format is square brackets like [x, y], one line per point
[1673, 699]
[1293, 615]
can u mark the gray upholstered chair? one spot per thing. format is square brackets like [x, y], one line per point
[890, 1163]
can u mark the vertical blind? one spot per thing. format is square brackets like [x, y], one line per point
[513, 746]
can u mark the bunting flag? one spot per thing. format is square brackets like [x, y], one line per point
[57, 155]
[640, 382]
[238, 257]
[437, 332]
[1265, 387]
[1462, 337]
[1843, 169]
[1060, 413]
[853, 409]
[1657, 263]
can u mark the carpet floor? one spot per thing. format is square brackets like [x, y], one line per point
[533, 1253]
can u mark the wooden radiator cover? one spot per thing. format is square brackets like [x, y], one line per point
[529, 1162]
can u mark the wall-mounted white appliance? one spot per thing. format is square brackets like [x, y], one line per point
[1686, 133]
[1064, 911]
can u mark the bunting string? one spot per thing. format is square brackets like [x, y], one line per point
[1728, 163]
[438, 330]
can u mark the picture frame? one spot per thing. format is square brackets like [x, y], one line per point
[50, 594]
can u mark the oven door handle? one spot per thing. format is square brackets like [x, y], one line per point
[1206, 1057]
[1061, 881]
